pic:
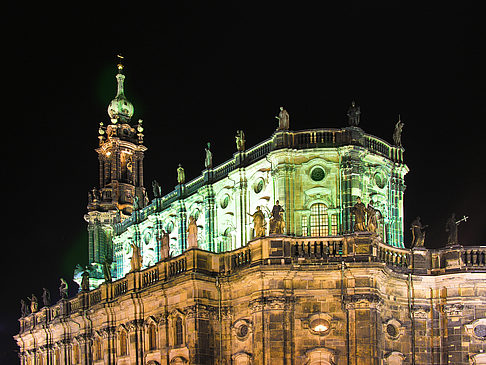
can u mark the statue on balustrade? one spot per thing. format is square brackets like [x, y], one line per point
[181, 176]
[208, 161]
[107, 270]
[24, 309]
[85, 281]
[418, 233]
[373, 216]
[451, 229]
[259, 222]
[165, 247]
[192, 233]
[34, 304]
[354, 113]
[277, 223]
[136, 204]
[240, 141]
[359, 212]
[63, 289]
[397, 134]
[46, 297]
[136, 259]
[156, 189]
[283, 119]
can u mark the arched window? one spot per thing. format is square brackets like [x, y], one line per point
[319, 224]
[152, 337]
[179, 334]
[122, 343]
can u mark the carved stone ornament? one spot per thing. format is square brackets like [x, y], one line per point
[242, 328]
[320, 324]
[477, 329]
[393, 329]
[453, 309]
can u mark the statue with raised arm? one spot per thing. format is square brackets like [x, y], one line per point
[34, 304]
[418, 233]
[63, 289]
[283, 119]
[451, 229]
[208, 161]
[277, 224]
[136, 259]
[24, 309]
[192, 233]
[359, 212]
[258, 222]
[46, 297]
[354, 113]
[240, 141]
[397, 134]
[156, 189]
[181, 176]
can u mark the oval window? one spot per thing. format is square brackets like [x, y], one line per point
[317, 174]
[380, 180]
[224, 202]
[258, 187]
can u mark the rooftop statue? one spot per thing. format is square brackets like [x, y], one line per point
[418, 233]
[277, 224]
[181, 176]
[258, 222]
[397, 134]
[283, 119]
[354, 113]
[63, 289]
[359, 212]
[136, 260]
[156, 189]
[451, 229]
[136, 204]
[33, 304]
[240, 141]
[208, 161]
[24, 309]
[46, 297]
[192, 233]
[373, 216]
[85, 281]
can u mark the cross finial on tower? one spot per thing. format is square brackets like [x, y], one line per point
[120, 65]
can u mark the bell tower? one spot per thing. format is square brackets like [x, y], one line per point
[121, 190]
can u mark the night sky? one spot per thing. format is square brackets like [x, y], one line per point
[198, 72]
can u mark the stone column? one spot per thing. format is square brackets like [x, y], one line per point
[351, 189]
[241, 203]
[209, 215]
[181, 225]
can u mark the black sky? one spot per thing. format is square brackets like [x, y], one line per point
[199, 71]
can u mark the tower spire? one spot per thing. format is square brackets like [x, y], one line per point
[120, 109]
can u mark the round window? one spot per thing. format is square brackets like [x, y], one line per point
[169, 227]
[380, 180]
[480, 330]
[258, 187]
[392, 330]
[242, 330]
[225, 201]
[317, 174]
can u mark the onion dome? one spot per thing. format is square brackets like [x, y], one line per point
[120, 109]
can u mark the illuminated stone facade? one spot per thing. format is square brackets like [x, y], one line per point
[319, 293]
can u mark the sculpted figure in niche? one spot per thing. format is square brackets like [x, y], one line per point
[63, 289]
[258, 222]
[165, 245]
[192, 233]
[359, 212]
[136, 260]
[46, 297]
[181, 176]
[240, 141]
[283, 119]
[418, 233]
[277, 224]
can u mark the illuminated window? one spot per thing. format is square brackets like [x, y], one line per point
[334, 226]
[179, 335]
[304, 226]
[152, 337]
[319, 225]
[122, 341]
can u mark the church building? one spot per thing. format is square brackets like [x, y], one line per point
[290, 252]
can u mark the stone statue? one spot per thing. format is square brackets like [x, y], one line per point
[85, 281]
[181, 176]
[258, 222]
[418, 233]
[136, 260]
[136, 204]
[373, 215]
[451, 229]
[63, 289]
[208, 161]
[24, 309]
[165, 245]
[107, 270]
[192, 233]
[156, 189]
[277, 224]
[397, 134]
[354, 113]
[46, 297]
[240, 141]
[359, 212]
[34, 304]
[283, 119]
